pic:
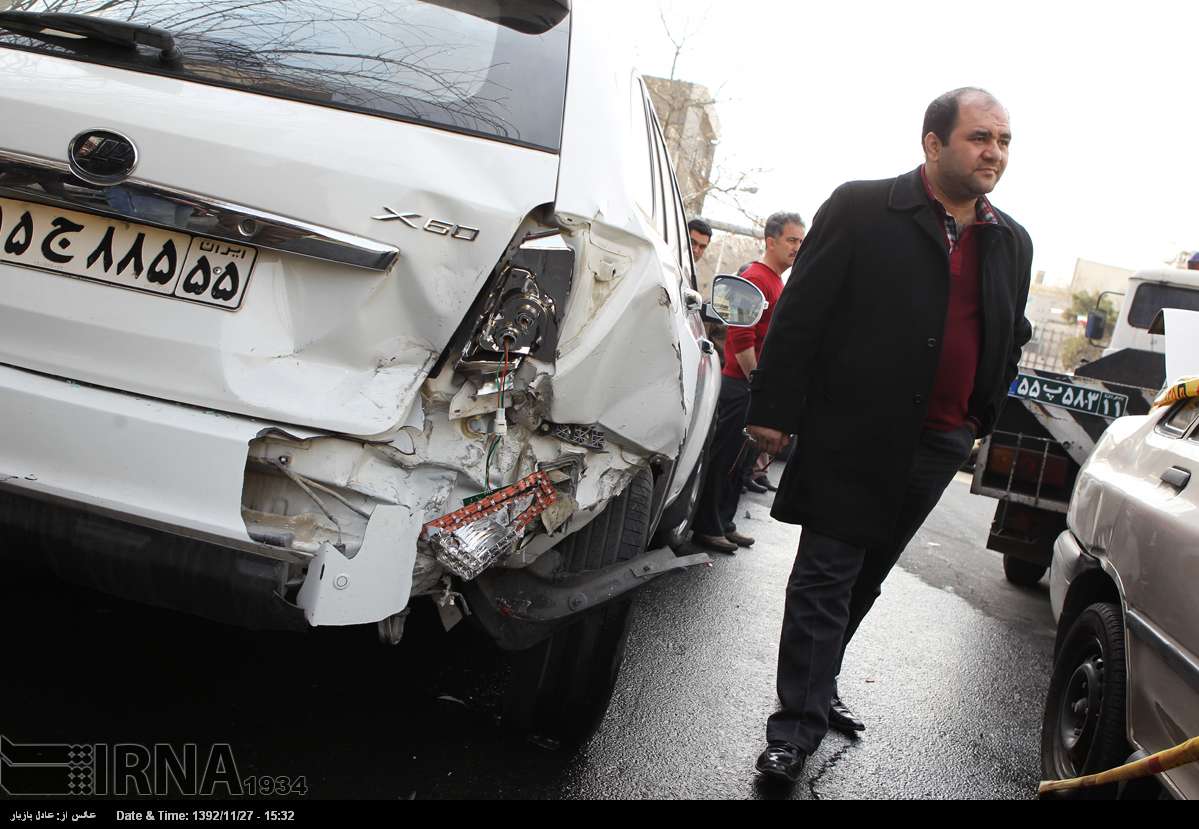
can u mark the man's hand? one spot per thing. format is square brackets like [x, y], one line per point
[767, 440]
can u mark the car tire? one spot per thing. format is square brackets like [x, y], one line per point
[617, 534]
[560, 688]
[1083, 730]
[1022, 573]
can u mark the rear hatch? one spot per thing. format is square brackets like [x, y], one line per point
[318, 193]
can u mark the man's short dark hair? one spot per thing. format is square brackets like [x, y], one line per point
[942, 114]
[701, 227]
[778, 221]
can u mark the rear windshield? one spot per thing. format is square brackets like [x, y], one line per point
[495, 68]
[1151, 299]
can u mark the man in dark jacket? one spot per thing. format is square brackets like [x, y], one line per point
[891, 350]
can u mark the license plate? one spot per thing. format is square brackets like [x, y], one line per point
[115, 252]
[1069, 396]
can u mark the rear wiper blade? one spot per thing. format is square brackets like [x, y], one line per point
[117, 32]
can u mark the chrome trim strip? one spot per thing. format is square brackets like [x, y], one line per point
[52, 183]
[1181, 664]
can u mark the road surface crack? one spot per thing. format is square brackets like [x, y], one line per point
[828, 766]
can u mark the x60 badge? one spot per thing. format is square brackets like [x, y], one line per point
[437, 226]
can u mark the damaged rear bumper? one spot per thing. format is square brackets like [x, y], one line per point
[109, 459]
[333, 528]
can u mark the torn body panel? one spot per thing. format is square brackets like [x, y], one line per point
[653, 385]
[619, 364]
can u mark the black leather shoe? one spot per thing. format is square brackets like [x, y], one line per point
[754, 486]
[842, 719]
[781, 761]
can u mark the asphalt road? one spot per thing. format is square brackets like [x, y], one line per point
[949, 672]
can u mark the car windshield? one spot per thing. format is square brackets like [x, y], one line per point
[495, 68]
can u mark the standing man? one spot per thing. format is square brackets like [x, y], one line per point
[892, 349]
[714, 520]
[701, 236]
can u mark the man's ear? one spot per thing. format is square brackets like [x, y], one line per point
[932, 147]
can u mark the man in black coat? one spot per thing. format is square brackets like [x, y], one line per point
[891, 350]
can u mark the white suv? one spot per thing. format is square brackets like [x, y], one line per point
[311, 309]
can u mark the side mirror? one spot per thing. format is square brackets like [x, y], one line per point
[737, 302]
[1096, 325]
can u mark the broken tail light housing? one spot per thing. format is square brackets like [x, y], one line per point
[524, 311]
[488, 529]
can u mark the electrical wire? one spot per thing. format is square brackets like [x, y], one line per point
[498, 438]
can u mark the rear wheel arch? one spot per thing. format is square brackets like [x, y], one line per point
[1091, 586]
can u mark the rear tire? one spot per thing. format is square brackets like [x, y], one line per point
[560, 688]
[1022, 573]
[1083, 730]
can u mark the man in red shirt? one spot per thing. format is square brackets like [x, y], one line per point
[714, 524]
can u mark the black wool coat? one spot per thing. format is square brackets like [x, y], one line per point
[849, 361]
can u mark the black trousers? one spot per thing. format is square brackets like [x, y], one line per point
[833, 586]
[717, 510]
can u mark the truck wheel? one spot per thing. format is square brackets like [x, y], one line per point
[560, 688]
[1083, 728]
[1022, 573]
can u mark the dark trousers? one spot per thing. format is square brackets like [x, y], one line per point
[833, 586]
[717, 510]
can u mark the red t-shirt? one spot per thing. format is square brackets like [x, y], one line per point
[742, 339]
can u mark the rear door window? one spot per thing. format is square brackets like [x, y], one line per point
[1150, 299]
[482, 67]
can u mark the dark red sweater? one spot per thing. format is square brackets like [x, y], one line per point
[961, 342]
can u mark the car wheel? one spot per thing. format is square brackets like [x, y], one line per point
[617, 534]
[560, 688]
[1083, 728]
[1022, 573]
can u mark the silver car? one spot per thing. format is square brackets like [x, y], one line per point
[1126, 674]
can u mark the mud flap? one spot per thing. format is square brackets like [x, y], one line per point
[372, 585]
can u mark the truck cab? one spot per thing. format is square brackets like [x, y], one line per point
[1149, 291]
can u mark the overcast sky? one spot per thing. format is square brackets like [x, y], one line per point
[1102, 96]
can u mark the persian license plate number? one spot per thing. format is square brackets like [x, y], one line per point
[168, 263]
